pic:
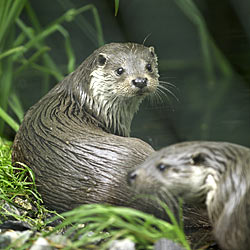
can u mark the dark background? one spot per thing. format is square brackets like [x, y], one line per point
[204, 52]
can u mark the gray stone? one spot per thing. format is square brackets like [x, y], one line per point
[9, 208]
[5, 240]
[125, 244]
[15, 237]
[166, 244]
[59, 240]
[41, 244]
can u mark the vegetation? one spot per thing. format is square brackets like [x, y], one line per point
[24, 46]
[18, 184]
[108, 223]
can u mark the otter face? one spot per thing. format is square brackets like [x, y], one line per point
[121, 75]
[175, 172]
[124, 71]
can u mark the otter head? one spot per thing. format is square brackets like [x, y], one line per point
[119, 77]
[178, 171]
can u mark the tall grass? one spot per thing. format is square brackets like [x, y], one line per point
[101, 224]
[116, 7]
[22, 46]
[18, 184]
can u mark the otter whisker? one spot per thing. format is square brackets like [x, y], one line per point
[167, 77]
[155, 99]
[159, 95]
[145, 39]
[164, 96]
[163, 88]
[168, 83]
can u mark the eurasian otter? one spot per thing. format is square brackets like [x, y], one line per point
[213, 173]
[75, 138]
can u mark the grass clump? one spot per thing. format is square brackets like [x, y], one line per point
[101, 224]
[18, 190]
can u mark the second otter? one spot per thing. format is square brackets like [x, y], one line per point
[214, 173]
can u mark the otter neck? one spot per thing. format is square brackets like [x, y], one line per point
[115, 114]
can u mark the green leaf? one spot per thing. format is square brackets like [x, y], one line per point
[8, 120]
[116, 7]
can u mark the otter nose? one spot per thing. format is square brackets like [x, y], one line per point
[140, 82]
[131, 177]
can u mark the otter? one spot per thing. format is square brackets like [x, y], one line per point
[76, 138]
[214, 174]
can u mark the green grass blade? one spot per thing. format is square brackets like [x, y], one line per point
[14, 125]
[16, 106]
[68, 48]
[192, 12]
[38, 43]
[5, 86]
[98, 26]
[84, 25]
[27, 62]
[46, 70]
[116, 7]
[33, 18]
[12, 51]
[10, 11]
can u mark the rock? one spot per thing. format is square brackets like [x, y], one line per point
[15, 225]
[41, 244]
[9, 209]
[166, 244]
[125, 244]
[14, 237]
[5, 240]
[59, 241]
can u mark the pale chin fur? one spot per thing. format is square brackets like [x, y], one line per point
[115, 111]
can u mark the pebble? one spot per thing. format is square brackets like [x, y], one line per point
[16, 238]
[41, 244]
[125, 244]
[166, 244]
[5, 240]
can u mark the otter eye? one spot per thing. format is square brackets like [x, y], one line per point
[119, 71]
[161, 167]
[149, 67]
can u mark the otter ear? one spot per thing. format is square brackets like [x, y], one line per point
[198, 159]
[101, 60]
[152, 50]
